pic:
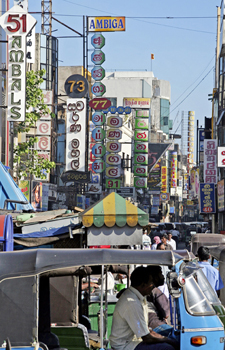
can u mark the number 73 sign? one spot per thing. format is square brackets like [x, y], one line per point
[17, 23]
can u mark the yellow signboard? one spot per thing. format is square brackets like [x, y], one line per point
[106, 24]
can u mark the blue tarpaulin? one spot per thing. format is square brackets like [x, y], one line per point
[10, 190]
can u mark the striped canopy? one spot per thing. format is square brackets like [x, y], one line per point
[114, 210]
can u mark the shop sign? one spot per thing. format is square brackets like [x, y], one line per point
[137, 102]
[98, 134]
[112, 183]
[98, 57]
[98, 89]
[94, 189]
[113, 146]
[43, 127]
[140, 170]
[141, 158]
[114, 121]
[140, 182]
[113, 172]
[17, 23]
[76, 86]
[98, 41]
[43, 143]
[173, 170]
[164, 179]
[164, 197]
[76, 134]
[114, 134]
[119, 110]
[113, 159]
[140, 147]
[141, 123]
[140, 135]
[76, 176]
[106, 24]
[98, 166]
[144, 113]
[220, 195]
[210, 163]
[98, 73]
[221, 157]
[98, 118]
[98, 150]
[207, 198]
[99, 103]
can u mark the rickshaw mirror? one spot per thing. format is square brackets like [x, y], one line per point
[173, 285]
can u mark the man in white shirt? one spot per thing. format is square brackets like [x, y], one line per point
[130, 318]
[171, 241]
[146, 241]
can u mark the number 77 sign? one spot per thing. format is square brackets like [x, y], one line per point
[17, 23]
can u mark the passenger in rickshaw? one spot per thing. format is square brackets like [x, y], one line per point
[130, 318]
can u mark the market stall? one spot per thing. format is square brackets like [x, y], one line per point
[114, 221]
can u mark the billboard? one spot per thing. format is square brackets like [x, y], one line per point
[106, 24]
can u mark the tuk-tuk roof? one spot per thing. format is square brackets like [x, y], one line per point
[40, 261]
[218, 252]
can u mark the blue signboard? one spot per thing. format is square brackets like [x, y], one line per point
[207, 198]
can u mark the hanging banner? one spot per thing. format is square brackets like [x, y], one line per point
[207, 198]
[173, 170]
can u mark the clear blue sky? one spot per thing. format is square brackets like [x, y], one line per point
[184, 45]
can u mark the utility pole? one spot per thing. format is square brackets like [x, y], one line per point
[46, 17]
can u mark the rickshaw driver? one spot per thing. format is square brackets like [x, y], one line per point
[131, 314]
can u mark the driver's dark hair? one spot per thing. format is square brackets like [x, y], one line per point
[203, 253]
[139, 276]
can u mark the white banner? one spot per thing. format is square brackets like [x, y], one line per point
[17, 23]
[76, 134]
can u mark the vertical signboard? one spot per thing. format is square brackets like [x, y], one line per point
[164, 179]
[220, 195]
[190, 153]
[17, 23]
[173, 170]
[76, 134]
[207, 198]
[210, 163]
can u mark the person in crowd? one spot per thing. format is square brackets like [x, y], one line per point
[156, 241]
[130, 318]
[211, 272]
[171, 241]
[164, 240]
[146, 241]
[158, 312]
[160, 246]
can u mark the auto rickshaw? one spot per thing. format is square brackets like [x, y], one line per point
[25, 315]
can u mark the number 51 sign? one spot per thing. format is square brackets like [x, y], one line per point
[17, 23]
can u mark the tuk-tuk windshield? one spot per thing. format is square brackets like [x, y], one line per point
[207, 288]
[192, 267]
[195, 301]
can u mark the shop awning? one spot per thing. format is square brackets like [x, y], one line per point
[114, 210]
